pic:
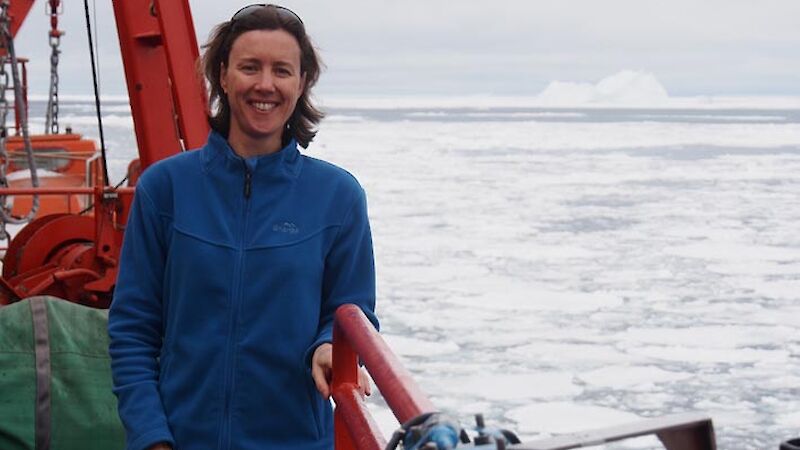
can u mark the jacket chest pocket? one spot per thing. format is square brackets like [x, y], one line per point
[283, 283]
[284, 250]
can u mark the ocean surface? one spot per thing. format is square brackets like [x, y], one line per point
[559, 269]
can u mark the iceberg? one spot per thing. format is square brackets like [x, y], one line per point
[626, 87]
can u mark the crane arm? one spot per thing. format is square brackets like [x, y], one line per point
[18, 10]
[159, 51]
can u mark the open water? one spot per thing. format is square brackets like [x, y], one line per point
[561, 269]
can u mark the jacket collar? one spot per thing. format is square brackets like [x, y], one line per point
[218, 153]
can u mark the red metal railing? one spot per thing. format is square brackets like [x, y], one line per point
[354, 337]
[65, 190]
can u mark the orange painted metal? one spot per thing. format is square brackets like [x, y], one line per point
[20, 205]
[66, 255]
[397, 386]
[180, 44]
[76, 256]
[354, 337]
[70, 152]
[353, 424]
[48, 238]
[54, 11]
[62, 162]
[18, 10]
[65, 191]
[148, 80]
[16, 246]
[156, 84]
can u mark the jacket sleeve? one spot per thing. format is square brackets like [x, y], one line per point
[349, 275]
[135, 326]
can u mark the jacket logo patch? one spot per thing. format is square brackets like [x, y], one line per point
[286, 227]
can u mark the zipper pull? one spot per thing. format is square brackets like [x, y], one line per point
[247, 183]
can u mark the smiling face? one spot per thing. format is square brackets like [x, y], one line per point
[262, 82]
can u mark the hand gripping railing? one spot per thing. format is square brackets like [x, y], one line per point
[354, 337]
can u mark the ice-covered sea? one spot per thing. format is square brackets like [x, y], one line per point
[560, 269]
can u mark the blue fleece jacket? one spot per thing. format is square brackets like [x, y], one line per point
[230, 273]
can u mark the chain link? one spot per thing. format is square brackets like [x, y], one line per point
[4, 107]
[51, 119]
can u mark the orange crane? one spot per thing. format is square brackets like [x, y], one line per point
[74, 256]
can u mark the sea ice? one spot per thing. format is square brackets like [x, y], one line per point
[566, 417]
[789, 420]
[564, 354]
[408, 346]
[115, 120]
[511, 294]
[620, 377]
[334, 118]
[512, 388]
[710, 355]
[733, 251]
[710, 336]
[757, 267]
[384, 418]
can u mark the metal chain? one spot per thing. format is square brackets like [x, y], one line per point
[4, 107]
[51, 119]
[7, 41]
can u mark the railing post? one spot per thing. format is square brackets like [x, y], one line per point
[396, 384]
[355, 337]
[354, 428]
[345, 376]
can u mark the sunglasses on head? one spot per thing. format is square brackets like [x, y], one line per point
[282, 11]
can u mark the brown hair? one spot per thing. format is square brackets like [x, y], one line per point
[303, 121]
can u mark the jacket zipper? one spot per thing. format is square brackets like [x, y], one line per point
[225, 434]
[248, 178]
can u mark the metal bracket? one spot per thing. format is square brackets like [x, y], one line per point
[688, 431]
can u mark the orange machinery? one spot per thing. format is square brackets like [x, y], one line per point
[74, 254]
[63, 161]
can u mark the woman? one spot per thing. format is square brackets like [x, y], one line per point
[235, 258]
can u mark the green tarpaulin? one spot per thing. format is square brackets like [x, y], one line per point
[55, 378]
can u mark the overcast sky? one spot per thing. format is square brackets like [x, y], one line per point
[503, 47]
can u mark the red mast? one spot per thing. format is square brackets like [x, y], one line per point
[159, 52]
